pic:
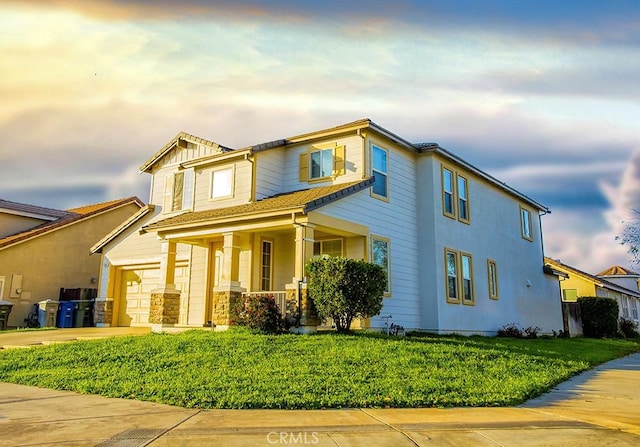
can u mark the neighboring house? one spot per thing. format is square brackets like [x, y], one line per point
[462, 250]
[579, 283]
[621, 276]
[43, 250]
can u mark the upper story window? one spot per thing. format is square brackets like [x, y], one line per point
[448, 205]
[222, 183]
[455, 195]
[380, 250]
[525, 224]
[379, 171]
[322, 163]
[178, 192]
[570, 295]
[328, 247]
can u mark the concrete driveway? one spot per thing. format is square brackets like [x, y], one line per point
[597, 408]
[25, 339]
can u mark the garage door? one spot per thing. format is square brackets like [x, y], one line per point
[135, 296]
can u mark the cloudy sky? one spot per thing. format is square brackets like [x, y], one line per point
[544, 95]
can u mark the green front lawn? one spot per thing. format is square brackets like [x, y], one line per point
[236, 369]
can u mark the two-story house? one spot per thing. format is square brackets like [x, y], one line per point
[462, 250]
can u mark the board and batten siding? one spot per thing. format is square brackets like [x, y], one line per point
[494, 233]
[395, 220]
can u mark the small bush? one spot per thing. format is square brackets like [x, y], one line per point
[628, 328]
[510, 330]
[531, 332]
[260, 313]
[599, 316]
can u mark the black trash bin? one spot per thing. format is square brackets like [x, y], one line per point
[5, 310]
[66, 311]
[84, 311]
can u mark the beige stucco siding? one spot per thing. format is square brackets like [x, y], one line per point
[59, 259]
[12, 224]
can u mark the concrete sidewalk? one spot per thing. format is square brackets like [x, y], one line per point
[27, 339]
[600, 407]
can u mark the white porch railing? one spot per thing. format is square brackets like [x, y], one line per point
[280, 297]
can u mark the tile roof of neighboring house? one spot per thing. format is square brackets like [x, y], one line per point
[306, 199]
[32, 209]
[616, 270]
[593, 278]
[69, 218]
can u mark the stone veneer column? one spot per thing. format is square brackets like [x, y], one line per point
[103, 313]
[164, 308]
[309, 320]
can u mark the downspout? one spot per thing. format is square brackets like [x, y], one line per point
[251, 160]
[540, 214]
[364, 153]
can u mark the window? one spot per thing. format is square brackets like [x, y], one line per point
[328, 247]
[492, 277]
[467, 279]
[459, 271]
[448, 205]
[222, 183]
[525, 223]
[380, 256]
[570, 295]
[455, 195]
[634, 308]
[266, 264]
[451, 267]
[379, 171]
[322, 162]
[178, 193]
[625, 306]
[463, 202]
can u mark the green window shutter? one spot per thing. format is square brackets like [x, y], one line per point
[339, 161]
[304, 167]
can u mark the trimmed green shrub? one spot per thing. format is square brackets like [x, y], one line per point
[628, 328]
[260, 313]
[599, 316]
[344, 289]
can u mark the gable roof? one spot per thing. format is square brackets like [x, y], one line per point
[177, 141]
[38, 212]
[304, 200]
[616, 270]
[69, 218]
[600, 282]
[97, 248]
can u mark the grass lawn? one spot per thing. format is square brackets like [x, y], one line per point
[237, 369]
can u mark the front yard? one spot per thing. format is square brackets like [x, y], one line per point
[237, 369]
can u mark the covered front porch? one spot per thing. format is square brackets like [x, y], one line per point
[252, 257]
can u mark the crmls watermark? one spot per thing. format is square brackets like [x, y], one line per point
[290, 438]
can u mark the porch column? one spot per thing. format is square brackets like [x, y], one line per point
[165, 300]
[228, 291]
[304, 249]
[297, 290]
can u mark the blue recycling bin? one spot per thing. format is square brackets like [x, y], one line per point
[66, 312]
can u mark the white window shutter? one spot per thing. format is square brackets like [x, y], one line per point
[187, 192]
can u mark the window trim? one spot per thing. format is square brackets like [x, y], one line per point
[271, 244]
[529, 223]
[231, 168]
[466, 220]
[386, 174]
[456, 176]
[452, 213]
[455, 253]
[493, 294]
[372, 237]
[471, 302]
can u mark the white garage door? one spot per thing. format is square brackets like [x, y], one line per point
[135, 296]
